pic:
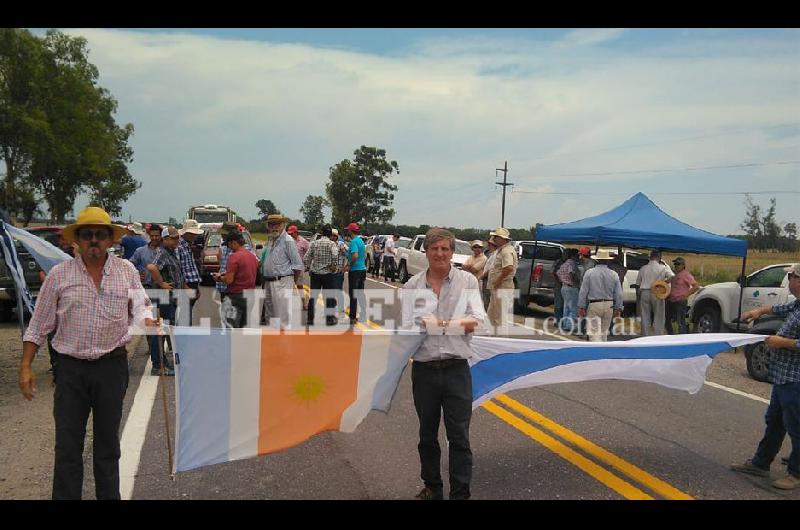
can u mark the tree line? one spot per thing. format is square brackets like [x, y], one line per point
[763, 232]
[58, 136]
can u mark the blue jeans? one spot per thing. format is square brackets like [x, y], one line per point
[782, 416]
[167, 312]
[570, 295]
[338, 284]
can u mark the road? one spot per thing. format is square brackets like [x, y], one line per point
[592, 440]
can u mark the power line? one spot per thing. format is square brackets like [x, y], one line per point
[668, 170]
[774, 192]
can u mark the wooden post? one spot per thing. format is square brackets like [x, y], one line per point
[164, 397]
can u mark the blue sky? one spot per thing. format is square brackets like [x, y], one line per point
[232, 116]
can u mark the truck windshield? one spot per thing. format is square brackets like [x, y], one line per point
[463, 248]
[211, 217]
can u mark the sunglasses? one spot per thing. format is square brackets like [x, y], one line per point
[88, 235]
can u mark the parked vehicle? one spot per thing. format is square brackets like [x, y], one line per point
[758, 354]
[211, 215]
[632, 261]
[535, 281]
[8, 292]
[411, 260]
[714, 307]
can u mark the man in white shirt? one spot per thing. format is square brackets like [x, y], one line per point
[653, 271]
[389, 253]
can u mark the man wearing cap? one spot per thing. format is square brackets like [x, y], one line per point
[648, 302]
[474, 264]
[92, 302]
[600, 297]
[357, 275]
[282, 270]
[191, 275]
[501, 278]
[683, 286]
[783, 412]
[132, 240]
[239, 276]
[166, 274]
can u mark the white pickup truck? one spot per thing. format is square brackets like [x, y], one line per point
[714, 308]
[412, 260]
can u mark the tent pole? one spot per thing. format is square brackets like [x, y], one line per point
[741, 294]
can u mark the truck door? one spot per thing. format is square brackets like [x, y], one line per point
[764, 287]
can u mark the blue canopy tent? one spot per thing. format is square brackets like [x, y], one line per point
[639, 223]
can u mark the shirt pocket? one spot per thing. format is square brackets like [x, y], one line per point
[114, 306]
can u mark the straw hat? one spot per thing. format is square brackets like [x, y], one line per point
[191, 226]
[660, 289]
[277, 217]
[602, 255]
[501, 232]
[93, 216]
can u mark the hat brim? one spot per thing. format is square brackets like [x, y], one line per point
[660, 289]
[195, 231]
[69, 231]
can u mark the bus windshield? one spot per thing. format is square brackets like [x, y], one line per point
[211, 217]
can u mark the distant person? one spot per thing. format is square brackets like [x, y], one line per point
[302, 248]
[783, 412]
[474, 264]
[342, 268]
[166, 274]
[600, 298]
[191, 274]
[282, 270]
[357, 275]
[389, 258]
[132, 240]
[683, 286]
[618, 267]
[568, 276]
[483, 280]
[558, 298]
[91, 303]
[501, 279]
[240, 277]
[144, 256]
[322, 261]
[650, 304]
[377, 254]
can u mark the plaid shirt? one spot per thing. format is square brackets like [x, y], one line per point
[565, 273]
[344, 259]
[322, 256]
[169, 265]
[784, 364]
[89, 322]
[188, 266]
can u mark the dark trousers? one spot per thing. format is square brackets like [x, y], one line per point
[447, 388]
[782, 417]
[355, 289]
[376, 264]
[166, 312]
[196, 287]
[84, 386]
[677, 311]
[327, 283]
[389, 269]
[338, 285]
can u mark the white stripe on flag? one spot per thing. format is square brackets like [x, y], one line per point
[245, 393]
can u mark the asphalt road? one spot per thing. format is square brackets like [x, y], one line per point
[592, 440]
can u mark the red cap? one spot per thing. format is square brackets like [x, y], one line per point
[352, 227]
[291, 230]
[584, 251]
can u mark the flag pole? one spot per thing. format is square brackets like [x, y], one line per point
[164, 395]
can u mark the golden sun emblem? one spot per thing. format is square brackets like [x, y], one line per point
[309, 388]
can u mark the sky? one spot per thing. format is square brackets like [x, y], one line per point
[686, 116]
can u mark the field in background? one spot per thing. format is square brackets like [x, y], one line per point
[708, 268]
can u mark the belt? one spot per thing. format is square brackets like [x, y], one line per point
[276, 278]
[443, 363]
[116, 352]
[600, 300]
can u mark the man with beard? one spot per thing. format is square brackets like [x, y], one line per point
[282, 270]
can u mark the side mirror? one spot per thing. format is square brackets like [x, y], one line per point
[259, 246]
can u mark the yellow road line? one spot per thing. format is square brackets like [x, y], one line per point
[639, 475]
[627, 490]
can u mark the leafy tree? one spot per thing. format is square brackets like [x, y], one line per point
[790, 229]
[311, 210]
[266, 207]
[359, 190]
[752, 219]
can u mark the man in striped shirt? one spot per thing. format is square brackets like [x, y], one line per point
[93, 302]
[321, 259]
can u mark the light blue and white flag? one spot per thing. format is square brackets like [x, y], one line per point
[500, 365]
[13, 265]
[45, 253]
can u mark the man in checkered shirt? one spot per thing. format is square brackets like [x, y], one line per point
[93, 302]
[191, 275]
[321, 259]
[783, 413]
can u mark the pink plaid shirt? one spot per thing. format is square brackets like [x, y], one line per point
[89, 322]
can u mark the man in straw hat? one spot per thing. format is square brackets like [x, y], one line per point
[648, 303]
[86, 301]
[600, 297]
[191, 274]
[474, 264]
[282, 270]
[501, 278]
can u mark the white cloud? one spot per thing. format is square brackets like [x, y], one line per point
[245, 120]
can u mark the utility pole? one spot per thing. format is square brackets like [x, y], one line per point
[504, 184]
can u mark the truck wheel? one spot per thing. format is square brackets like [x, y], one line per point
[402, 272]
[707, 321]
[757, 356]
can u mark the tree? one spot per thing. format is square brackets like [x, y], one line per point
[265, 207]
[311, 210]
[359, 190]
[790, 229]
[752, 221]
[770, 228]
[66, 138]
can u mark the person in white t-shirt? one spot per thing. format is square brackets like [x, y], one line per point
[389, 254]
[655, 270]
